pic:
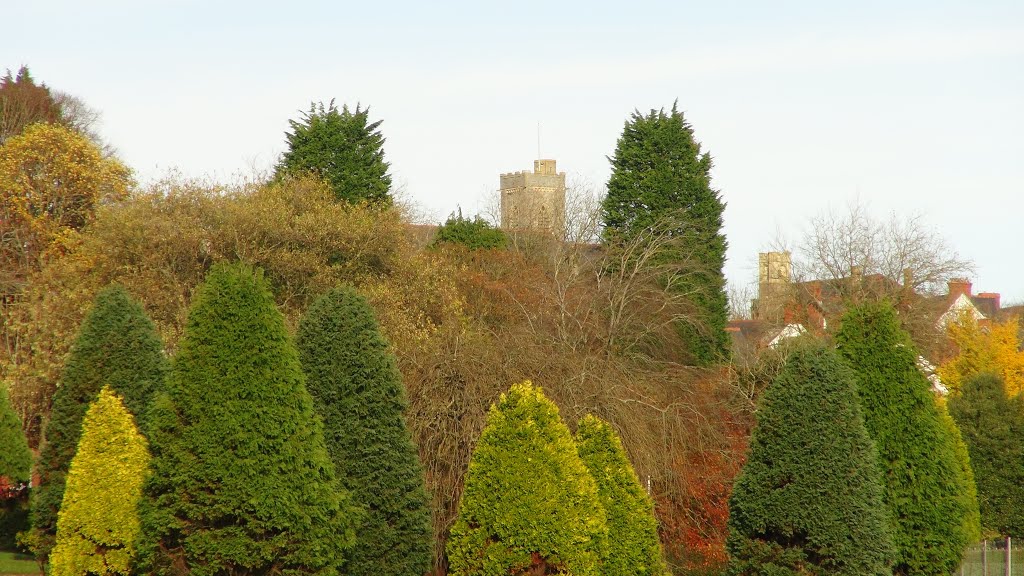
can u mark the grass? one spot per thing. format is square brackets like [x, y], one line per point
[13, 563]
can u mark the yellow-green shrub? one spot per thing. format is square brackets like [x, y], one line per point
[98, 522]
[530, 506]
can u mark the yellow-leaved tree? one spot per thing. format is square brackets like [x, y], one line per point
[99, 523]
[51, 180]
[993, 349]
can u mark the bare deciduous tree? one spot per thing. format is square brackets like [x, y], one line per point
[900, 248]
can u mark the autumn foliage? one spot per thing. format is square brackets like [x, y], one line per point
[51, 181]
[991, 349]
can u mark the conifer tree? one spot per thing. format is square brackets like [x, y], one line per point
[15, 457]
[357, 391]
[969, 492]
[99, 522]
[241, 481]
[473, 233]
[117, 345]
[633, 545]
[342, 147]
[529, 505]
[993, 429]
[925, 484]
[809, 499]
[660, 175]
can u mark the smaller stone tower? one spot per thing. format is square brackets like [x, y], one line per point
[774, 274]
[534, 200]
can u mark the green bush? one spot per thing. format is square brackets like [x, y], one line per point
[474, 233]
[99, 523]
[13, 519]
[529, 504]
[357, 391]
[633, 545]
[15, 457]
[117, 345]
[809, 499]
[993, 429]
[925, 485]
[241, 481]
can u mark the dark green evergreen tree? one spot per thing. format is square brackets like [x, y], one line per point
[15, 467]
[342, 147]
[15, 457]
[633, 545]
[117, 345]
[660, 177]
[529, 505]
[240, 480]
[925, 484]
[357, 391]
[992, 426]
[473, 233]
[809, 499]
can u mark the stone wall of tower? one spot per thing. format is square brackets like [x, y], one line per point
[774, 277]
[534, 200]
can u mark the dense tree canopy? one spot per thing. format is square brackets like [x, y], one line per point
[462, 324]
[633, 545]
[809, 499]
[99, 521]
[51, 181]
[117, 346]
[993, 428]
[529, 505]
[241, 480]
[925, 483]
[342, 147]
[660, 176]
[357, 391]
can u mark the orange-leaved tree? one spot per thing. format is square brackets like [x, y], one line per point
[51, 181]
[984, 349]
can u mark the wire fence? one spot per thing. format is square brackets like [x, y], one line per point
[994, 558]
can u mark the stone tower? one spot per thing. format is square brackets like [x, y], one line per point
[534, 200]
[774, 274]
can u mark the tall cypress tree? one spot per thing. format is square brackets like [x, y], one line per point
[15, 457]
[529, 505]
[993, 429]
[809, 499]
[357, 391]
[925, 484]
[99, 522]
[241, 481]
[633, 545]
[660, 176]
[969, 493]
[117, 345]
[344, 148]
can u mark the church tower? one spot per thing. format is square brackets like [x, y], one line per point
[534, 200]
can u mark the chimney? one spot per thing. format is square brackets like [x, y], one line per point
[992, 297]
[958, 286]
[856, 273]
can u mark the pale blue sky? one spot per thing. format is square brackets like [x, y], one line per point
[912, 106]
